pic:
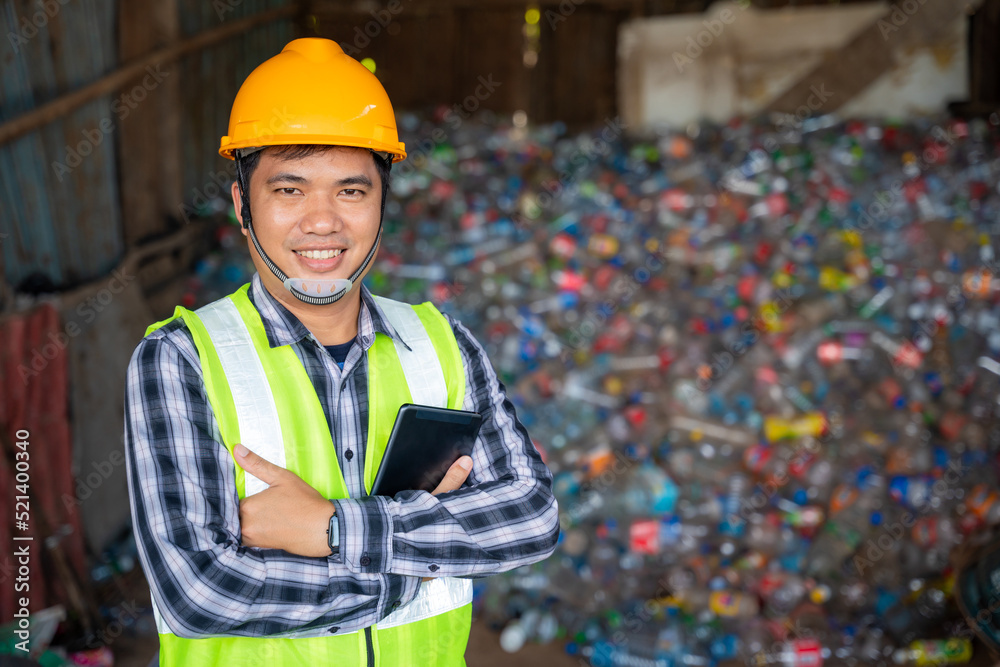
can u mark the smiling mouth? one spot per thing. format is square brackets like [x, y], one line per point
[319, 254]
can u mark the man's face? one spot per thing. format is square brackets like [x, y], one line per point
[315, 217]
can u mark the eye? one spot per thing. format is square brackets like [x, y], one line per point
[287, 191]
[353, 192]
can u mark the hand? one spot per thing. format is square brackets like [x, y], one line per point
[289, 514]
[455, 477]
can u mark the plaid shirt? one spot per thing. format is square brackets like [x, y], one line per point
[185, 509]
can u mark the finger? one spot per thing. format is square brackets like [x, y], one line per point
[257, 466]
[456, 476]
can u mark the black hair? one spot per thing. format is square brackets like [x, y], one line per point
[248, 164]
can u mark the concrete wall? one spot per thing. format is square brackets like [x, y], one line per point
[735, 59]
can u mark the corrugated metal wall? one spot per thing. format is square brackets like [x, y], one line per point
[58, 186]
[205, 116]
[60, 205]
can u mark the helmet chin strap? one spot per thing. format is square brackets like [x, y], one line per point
[314, 292]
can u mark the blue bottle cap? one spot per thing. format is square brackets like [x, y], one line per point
[940, 457]
[898, 486]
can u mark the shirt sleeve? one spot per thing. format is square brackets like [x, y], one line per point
[503, 517]
[185, 512]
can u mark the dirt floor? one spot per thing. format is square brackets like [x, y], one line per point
[484, 645]
[484, 650]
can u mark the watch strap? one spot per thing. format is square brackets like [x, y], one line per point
[333, 534]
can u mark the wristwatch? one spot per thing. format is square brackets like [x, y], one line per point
[333, 535]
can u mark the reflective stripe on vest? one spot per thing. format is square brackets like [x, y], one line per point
[260, 429]
[420, 363]
[258, 397]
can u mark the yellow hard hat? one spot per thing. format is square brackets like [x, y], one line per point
[312, 93]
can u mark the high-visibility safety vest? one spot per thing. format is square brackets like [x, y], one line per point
[263, 397]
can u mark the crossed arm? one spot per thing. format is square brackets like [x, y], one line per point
[293, 516]
[217, 568]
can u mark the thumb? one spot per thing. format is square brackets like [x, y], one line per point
[256, 465]
[455, 477]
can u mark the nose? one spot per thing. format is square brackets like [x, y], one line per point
[322, 216]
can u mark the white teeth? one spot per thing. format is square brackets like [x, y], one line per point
[320, 254]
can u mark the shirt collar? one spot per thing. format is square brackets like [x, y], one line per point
[283, 328]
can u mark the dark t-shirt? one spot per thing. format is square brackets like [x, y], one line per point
[339, 352]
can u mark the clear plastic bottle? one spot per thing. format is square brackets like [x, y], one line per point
[733, 503]
[755, 640]
[780, 601]
[649, 492]
[846, 530]
[871, 649]
[519, 631]
[767, 534]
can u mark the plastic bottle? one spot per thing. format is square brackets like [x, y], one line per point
[776, 428]
[604, 654]
[733, 503]
[794, 653]
[819, 324]
[518, 631]
[927, 652]
[782, 599]
[845, 530]
[727, 604]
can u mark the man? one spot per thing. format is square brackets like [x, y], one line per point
[255, 426]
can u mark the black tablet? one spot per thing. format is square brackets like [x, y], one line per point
[425, 442]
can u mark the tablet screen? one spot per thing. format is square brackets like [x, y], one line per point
[425, 442]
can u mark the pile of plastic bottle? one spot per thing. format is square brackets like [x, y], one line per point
[762, 361]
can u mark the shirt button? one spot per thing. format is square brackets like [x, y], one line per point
[334, 629]
[433, 568]
[349, 455]
[366, 561]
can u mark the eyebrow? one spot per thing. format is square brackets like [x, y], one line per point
[286, 177]
[359, 179]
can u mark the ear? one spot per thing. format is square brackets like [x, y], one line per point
[238, 206]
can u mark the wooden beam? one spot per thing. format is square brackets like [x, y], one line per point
[136, 258]
[64, 104]
[149, 137]
[984, 54]
[847, 71]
